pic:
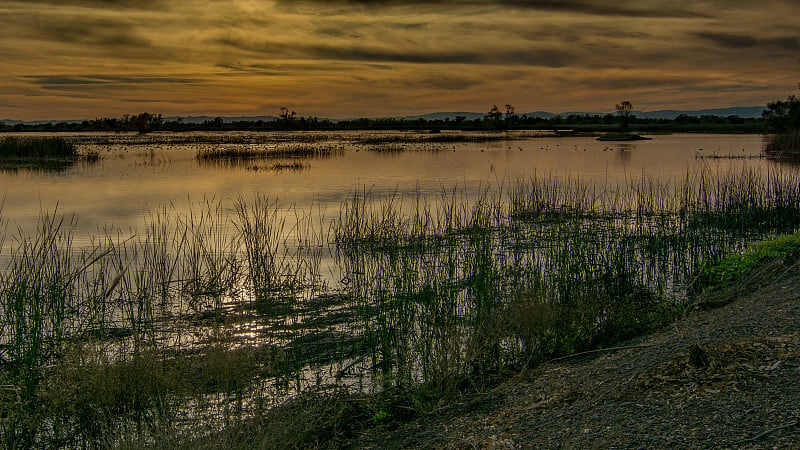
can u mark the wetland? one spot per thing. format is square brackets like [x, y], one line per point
[192, 284]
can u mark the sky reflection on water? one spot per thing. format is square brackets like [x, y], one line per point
[130, 180]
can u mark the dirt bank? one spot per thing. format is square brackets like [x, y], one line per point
[726, 377]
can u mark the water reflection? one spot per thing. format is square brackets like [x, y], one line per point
[136, 173]
[624, 152]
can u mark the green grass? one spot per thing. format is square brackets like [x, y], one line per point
[732, 268]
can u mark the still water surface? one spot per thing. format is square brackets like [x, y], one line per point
[136, 174]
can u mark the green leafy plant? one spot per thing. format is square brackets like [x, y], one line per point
[720, 274]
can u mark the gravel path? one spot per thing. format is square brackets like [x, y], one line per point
[721, 378]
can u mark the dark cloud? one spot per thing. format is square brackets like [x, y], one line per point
[728, 40]
[339, 32]
[444, 83]
[777, 44]
[589, 7]
[787, 43]
[104, 4]
[606, 8]
[77, 28]
[366, 54]
[61, 81]
[334, 52]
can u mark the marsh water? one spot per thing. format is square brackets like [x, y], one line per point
[136, 174]
[364, 260]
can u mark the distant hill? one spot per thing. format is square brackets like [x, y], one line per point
[741, 111]
[37, 122]
[184, 119]
[445, 115]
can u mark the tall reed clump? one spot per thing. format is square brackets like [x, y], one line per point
[37, 297]
[210, 256]
[262, 230]
[785, 146]
[93, 338]
[36, 148]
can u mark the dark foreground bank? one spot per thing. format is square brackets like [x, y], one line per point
[719, 378]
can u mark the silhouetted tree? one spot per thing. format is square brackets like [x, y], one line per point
[493, 117]
[782, 116]
[510, 116]
[624, 110]
[145, 122]
[287, 117]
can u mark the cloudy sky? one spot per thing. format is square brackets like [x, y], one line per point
[70, 59]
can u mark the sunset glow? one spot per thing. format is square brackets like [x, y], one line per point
[79, 59]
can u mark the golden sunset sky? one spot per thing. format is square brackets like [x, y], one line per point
[79, 59]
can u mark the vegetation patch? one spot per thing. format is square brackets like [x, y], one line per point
[782, 119]
[36, 148]
[734, 267]
[39, 153]
[268, 151]
[783, 146]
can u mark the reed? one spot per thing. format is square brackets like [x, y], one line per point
[37, 148]
[783, 146]
[201, 323]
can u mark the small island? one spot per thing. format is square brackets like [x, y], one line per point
[622, 137]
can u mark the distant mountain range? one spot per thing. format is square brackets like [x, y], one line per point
[741, 111]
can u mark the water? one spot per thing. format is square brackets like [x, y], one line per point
[136, 174]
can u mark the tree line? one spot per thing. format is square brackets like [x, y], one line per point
[496, 119]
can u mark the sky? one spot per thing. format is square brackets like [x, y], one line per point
[84, 59]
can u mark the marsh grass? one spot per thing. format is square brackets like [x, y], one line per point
[41, 154]
[396, 304]
[36, 148]
[783, 146]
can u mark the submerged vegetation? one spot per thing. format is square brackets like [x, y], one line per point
[256, 325]
[266, 151]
